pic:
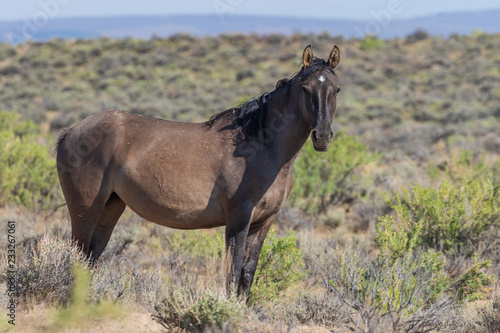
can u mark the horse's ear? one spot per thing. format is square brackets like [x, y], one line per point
[334, 58]
[307, 57]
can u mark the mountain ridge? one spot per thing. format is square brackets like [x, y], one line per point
[381, 24]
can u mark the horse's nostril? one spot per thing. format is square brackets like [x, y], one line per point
[314, 137]
[330, 138]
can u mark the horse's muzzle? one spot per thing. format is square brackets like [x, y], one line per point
[321, 139]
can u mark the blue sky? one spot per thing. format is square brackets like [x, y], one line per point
[358, 9]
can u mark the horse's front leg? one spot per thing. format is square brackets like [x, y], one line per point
[256, 236]
[237, 226]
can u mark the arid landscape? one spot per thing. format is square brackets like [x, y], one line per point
[394, 229]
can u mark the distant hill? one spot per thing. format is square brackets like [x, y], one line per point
[200, 25]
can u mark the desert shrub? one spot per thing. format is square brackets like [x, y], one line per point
[384, 295]
[322, 179]
[280, 267]
[443, 223]
[196, 311]
[28, 174]
[470, 285]
[44, 276]
[407, 286]
[452, 219]
[68, 116]
[120, 280]
[244, 75]
[10, 70]
[47, 275]
[6, 51]
[309, 307]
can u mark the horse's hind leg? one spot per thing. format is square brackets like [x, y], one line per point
[86, 201]
[102, 232]
[83, 221]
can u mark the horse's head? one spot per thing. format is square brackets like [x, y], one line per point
[320, 87]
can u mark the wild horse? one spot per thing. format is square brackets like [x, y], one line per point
[236, 169]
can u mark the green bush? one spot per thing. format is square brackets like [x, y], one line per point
[448, 219]
[443, 223]
[370, 43]
[397, 245]
[280, 267]
[325, 178]
[29, 175]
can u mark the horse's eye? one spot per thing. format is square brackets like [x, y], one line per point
[338, 90]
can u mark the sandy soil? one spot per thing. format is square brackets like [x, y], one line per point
[38, 320]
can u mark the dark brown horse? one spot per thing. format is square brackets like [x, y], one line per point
[234, 170]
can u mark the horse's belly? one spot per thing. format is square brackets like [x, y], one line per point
[190, 204]
[179, 219]
[171, 214]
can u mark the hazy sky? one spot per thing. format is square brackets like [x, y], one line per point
[359, 9]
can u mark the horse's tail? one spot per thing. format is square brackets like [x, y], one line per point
[61, 138]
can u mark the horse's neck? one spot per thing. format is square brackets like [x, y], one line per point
[286, 125]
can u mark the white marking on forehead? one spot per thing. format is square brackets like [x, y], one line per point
[322, 78]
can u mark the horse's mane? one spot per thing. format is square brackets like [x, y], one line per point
[249, 117]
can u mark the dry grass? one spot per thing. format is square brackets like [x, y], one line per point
[483, 316]
[147, 266]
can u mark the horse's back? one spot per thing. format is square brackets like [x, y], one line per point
[125, 135]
